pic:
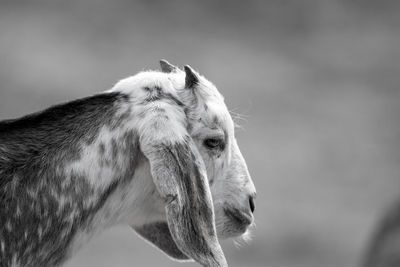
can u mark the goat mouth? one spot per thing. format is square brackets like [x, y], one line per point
[238, 216]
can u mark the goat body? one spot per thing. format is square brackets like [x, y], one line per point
[45, 201]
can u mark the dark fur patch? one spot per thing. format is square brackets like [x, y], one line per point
[102, 149]
[159, 110]
[56, 131]
[156, 93]
[35, 225]
[114, 150]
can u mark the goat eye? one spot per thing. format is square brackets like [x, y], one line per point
[213, 143]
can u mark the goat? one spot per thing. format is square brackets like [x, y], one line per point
[156, 152]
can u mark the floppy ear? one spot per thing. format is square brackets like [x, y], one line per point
[180, 177]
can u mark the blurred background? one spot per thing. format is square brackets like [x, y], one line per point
[316, 82]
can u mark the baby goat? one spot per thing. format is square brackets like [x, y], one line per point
[156, 152]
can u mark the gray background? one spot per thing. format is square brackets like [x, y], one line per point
[316, 83]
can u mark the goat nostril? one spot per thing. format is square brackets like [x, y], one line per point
[252, 205]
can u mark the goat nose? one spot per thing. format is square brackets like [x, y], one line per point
[252, 205]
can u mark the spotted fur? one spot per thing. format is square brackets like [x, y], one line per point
[135, 155]
[43, 204]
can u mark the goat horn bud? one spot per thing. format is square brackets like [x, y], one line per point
[191, 79]
[167, 67]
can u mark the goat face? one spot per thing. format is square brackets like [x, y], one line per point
[231, 186]
[212, 129]
[223, 204]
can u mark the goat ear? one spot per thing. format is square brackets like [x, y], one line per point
[179, 175]
[191, 79]
[167, 67]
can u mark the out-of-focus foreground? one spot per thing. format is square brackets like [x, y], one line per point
[316, 84]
